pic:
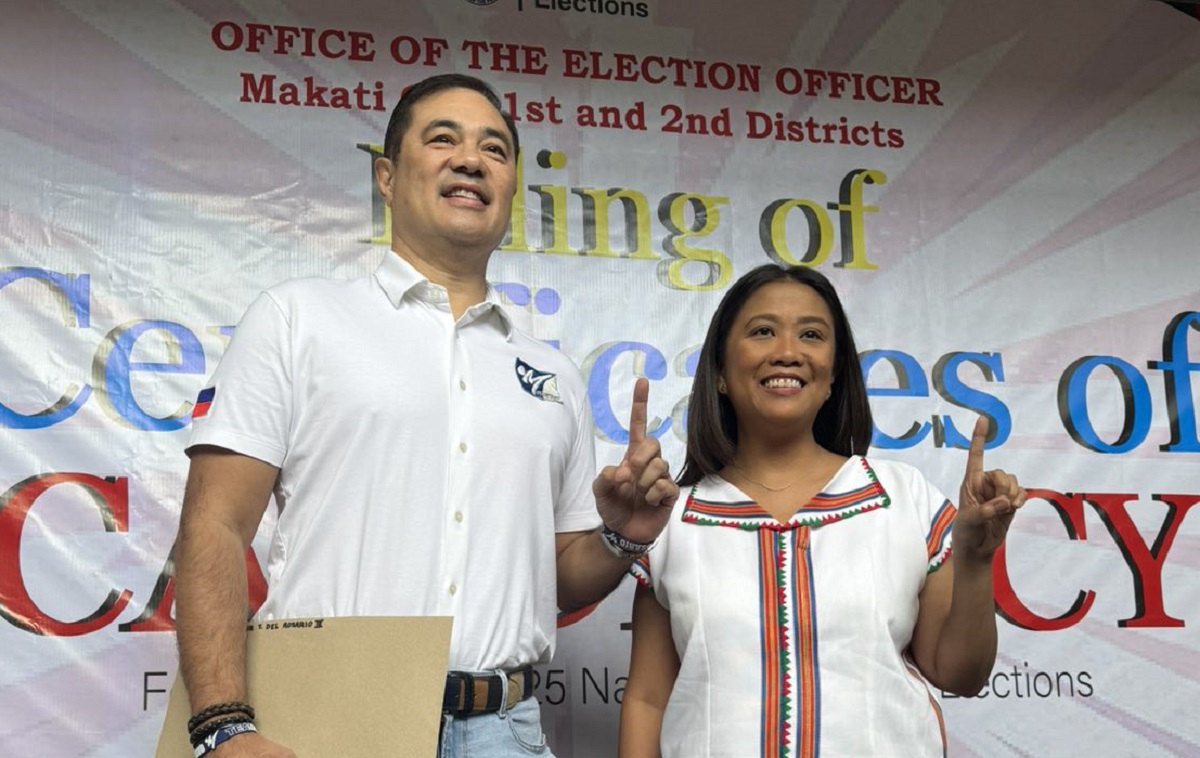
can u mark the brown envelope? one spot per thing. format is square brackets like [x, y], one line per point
[338, 687]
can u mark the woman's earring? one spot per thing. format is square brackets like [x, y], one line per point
[721, 386]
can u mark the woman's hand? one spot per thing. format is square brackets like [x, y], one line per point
[987, 502]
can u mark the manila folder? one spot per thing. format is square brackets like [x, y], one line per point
[338, 687]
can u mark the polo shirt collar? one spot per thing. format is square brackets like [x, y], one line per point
[399, 280]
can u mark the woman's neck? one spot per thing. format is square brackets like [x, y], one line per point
[782, 479]
[756, 452]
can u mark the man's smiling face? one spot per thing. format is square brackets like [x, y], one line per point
[455, 175]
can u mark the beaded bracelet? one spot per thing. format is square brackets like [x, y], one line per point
[220, 709]
[221, 736]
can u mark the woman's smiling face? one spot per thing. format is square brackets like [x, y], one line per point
[779, 357]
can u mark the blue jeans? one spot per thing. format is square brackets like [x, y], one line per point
[503, 734]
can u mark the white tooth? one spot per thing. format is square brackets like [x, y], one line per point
[783, 382]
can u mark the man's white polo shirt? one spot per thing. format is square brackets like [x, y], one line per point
[425, 465]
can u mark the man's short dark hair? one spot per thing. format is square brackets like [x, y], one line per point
[402, 114]
[843, 425]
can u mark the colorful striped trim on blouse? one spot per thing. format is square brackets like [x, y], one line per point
[641, 571]
[790, 680]
[822, 509]
[937, 542]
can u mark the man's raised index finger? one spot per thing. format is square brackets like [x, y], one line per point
[637, 414]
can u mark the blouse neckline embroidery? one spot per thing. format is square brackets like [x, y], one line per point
[853, 490]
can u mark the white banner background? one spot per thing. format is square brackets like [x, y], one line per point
[1039, 210]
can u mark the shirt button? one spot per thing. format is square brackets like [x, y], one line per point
[453, 588]
[462, 447]
[458, 516]
[462, 385]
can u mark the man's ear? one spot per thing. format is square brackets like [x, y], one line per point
[384, 168]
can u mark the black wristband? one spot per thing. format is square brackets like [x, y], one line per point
[210, 728]
[623, 547]
[220, 736]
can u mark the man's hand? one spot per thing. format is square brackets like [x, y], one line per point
[635, 498]
[987, 502]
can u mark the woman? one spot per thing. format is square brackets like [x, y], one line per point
[804, 600]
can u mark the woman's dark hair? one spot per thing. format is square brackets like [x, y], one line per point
[402, 114]
[843, 425]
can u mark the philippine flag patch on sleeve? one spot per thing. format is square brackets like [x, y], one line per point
[204, 402]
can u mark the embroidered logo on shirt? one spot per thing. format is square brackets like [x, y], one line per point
[204, 402]
[541, 384]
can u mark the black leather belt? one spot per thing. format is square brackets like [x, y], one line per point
[468, 694]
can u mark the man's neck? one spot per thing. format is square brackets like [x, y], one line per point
[463, 275]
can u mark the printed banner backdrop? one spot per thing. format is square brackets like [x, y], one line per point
[1004, 193]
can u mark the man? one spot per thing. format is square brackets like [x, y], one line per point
[427, 458]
